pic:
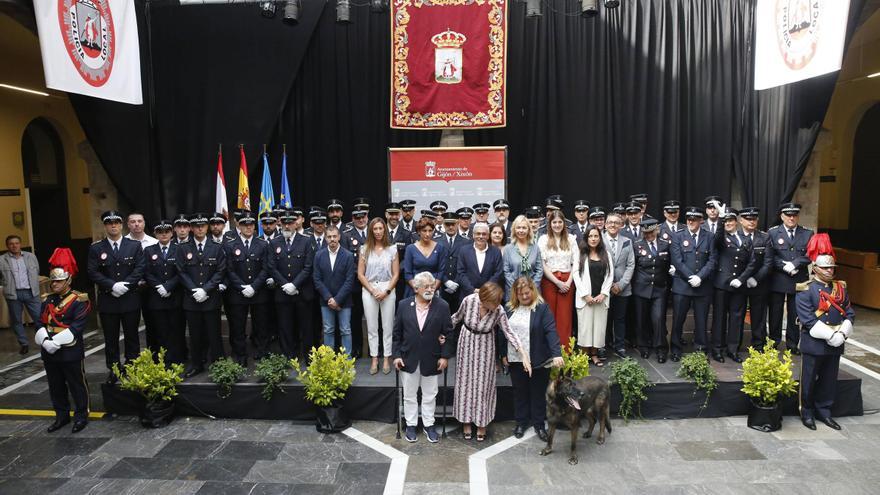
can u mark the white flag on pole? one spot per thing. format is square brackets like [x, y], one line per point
[91, 47]
[798, 39]
[220, 202]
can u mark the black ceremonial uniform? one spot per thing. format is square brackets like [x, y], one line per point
[650, 284]
[352, 240]
[291, 262]
[64, 368]
[107, 267]
[401, 238]
[202, 270]
[782, 285]
[161, 269]
[734, 262]
[756, 297]
[247, 265]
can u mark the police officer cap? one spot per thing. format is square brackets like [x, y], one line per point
[278, 211]
[267, 217]
[296, 211]
[553, 202]
[199, 219]
[533, 212]
[671, 206]
[693, 212]
[597, 211]
[392, 207]
[287, 216]
[710, 199]
[481, 208]
[790, 208]
[429, 214]
[181, 219]
[640, 198]
[247, 218]
[449, 217]
[464, 212]
[649, 224]
[439, 205]
[317, 215]
[359, 211]
[581, 205]
[217, 217]
[501, 204]
[162, 225]
[407, 204]
[618, 207]
[633, 207]
[730, 214]
[750, 212]
[334, 203]
[238, 212]
[361, 203]
[111, 216]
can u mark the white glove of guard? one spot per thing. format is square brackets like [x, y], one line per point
[821, 331]
[836, 340]
[672, 270]
[735, 283]
[788, 267]
[221, 287]
[162, 290]
[247, 291]
[695, 281]
[846, 328]
[200, 295]
[270, 282]
[794, 272]
[119, 289]
[751, 283]
[289, 289]
[40, 336]
[50, 346]
[451, 286]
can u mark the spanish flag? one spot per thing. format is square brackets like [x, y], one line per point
[244, 192]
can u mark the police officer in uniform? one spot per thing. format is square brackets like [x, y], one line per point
[407, 210]
[439, 207]
[693, 256]
[553, 202]
[399, 236]
[334, 214]
[216, 226]
[164, 296]
[60, 338]
[116, 265]
[826, 317]
[633, 220]
[714, 206]
[640, 199]
[790, 261]
[619, 208]
[181, 229]
[649, 288]
[671, 225]
[582, 220]
[270, 220]
[454, 243]
[502, 215]
[757, 286]
[733, 268]
[352, 239]
[290, 264]
[201, 267]
[596, 216]
[534, 216]
[480, 213]
[464, 221]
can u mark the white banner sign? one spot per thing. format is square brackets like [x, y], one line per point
[798, 39]
[91, 47]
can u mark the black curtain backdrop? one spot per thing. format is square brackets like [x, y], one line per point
[652, 97]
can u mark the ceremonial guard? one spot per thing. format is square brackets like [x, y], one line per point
[290, 264]
[502, 215]
[163, 295]
[789, 241]
[116, 265]
[826, 317]
[247, 269]
[693, 256]
[201, 266]
[352, 239]
[649, 286]
[60, 338]
[757, 286]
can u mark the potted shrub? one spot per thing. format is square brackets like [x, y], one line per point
[225, 372]
[576, 363]
[632, 379]
[696, 368]
[326, 379]
[155, 382]
[273, 370]
[767, 380]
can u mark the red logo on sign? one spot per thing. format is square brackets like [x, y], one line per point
[90, 38]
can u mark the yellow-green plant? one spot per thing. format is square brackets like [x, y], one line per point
[150, 378]
[766, 378]
[328, 376]
[576, 363]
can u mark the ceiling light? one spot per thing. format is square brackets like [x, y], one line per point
[24, 90]
[873, 75]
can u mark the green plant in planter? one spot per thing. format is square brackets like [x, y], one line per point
[225, 372]
[632, 379]
[766, 378]
[576, 363]
[328, 376]
[273, 370]
[150, 378]
[696, 368]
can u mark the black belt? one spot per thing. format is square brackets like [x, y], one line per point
[475, 332]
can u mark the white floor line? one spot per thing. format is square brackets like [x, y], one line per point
[865, 347]
[396, 472]
[856, 366]
[477, 463]
[35, 356]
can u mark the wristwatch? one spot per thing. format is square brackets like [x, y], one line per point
[388, 292]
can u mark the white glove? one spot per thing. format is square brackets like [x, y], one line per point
[672, 270]
[222, 287]
[695, 281]
[64, 337]
[162, 290]
[41, 335]
[751, 283]
[718, 206]
[846, 328]
[247, 291]
[821, 331]
[794, 272]
[788, 267]
[200, 295]
[735, 283]
[451, 286]
[448, 290]
[119, 289]
[270, 282]
[289, 289]
[836, 340]
[50, 346]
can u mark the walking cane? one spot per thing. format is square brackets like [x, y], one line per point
[397, 399]
[445, 374]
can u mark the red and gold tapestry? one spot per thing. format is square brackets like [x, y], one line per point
[448, 64]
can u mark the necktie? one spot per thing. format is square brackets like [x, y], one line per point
[749, 236]
[289, 243]
[164, 252]
[738, 242]
[247, 245]
[694, 235]
[583, 229]
[451, 240]
[319, 243]
[115, 248]
[200, 248]
[614, 246]
[653, 249]
[393, 234]
[791, 233]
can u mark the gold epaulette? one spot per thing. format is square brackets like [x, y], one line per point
[81, 296]
[802, 286]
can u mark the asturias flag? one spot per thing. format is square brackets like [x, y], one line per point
[267, 195]
[286, 198]
[244, 192]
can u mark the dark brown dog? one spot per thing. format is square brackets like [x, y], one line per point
[568, 401]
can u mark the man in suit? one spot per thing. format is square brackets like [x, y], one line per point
[620, 249]
[757, 286]
[478, 263]
[163, 297]
[353, 238]
[581, 215]
[421, 347]
[502, 215]
[116, 265]
[201, 268]
[20, 277]
[247, 260]
[733, 268]
[290, 264]
[334, 277]
[671, 225]
[693, 256]
[790, 262]
[649, 285]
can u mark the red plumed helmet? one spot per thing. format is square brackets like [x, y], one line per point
[820, 244]
[63, 258]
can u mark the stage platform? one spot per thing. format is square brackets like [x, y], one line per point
[374, 397]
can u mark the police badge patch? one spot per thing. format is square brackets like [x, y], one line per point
[89, 37]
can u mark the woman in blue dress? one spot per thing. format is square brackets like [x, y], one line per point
[426, 255]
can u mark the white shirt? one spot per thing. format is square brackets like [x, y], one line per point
[520, 322]
[558, 260]
[712, 226]
[672, 227]
[332, 257]
[481, 256]
[146, 241]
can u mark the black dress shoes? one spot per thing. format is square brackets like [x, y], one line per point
[519, 431]
[717, 356]
[830, 423]
[794, 351]
[541, 432]
[58, 424]
[645, 354]
[809, 422]
[621, 353]
[661, 358]
[602, 353]
[78, 426]
[734, 356]
[191, 372]
[111, 378]
[24, 349]
[675, 357]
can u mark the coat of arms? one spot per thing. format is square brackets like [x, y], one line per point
[448, 56]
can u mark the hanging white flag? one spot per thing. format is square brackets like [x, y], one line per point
[798, 39]
[91, 47]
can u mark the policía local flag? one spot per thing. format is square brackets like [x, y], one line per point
[91, 47]
[448, 64]
[244, 192]
[267, 195]
[220, 202]
[286, 198]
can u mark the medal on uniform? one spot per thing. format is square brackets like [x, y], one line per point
[665, 236]
[103, 256]
[685, 243]
[278, 249]
[354, 242]
[780, 241]
[155, 257]
[642, 252]
[189, 256]
[237, 252]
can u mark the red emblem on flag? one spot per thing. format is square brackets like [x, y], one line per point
[90, 38]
